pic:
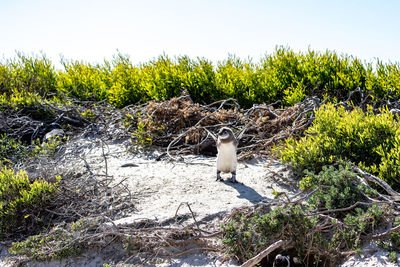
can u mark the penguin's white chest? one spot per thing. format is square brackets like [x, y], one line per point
[226, 158]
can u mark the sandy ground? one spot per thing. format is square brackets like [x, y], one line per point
[159, 187]
[377, 258]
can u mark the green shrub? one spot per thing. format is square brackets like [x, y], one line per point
[360, 223]
[336, 188]
[368, 140]
[386, 76]
[317, 240]
[5, 79]
[33, 74]
[19, 99]
[62, 245]
[61, 242]
[13, 150]
[21, 200]
[331, 74]
[281, 75]
[237, 79]
[82, 81]
[201, 82]
[123, 81]
[247, 236]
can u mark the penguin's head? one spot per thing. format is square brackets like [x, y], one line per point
[225, 134]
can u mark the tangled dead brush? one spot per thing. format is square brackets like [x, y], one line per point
[181, 125]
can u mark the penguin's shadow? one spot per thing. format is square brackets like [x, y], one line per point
[246, 192]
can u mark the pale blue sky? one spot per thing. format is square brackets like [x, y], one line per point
[93, 30]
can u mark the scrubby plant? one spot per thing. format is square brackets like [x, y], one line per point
[82, 81]
[247, 236]
[238, 79]
[281, 75]
[163, 78]
[19, 99]
[49, 147]
[317, 240]
[21, 200]
[60, 242]
[200, 82]
[348, 234]
[141, 136]
[124, 82]
[5, 79]
[386, 77]
[33, 74]
[364, 138]
[335, 188]
[27, 103]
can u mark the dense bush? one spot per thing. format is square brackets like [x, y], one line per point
[386, 76]
[21, 201]
[335, 188]
[247, 236]
[369, 140]
[283, 75]
[317, 241]
[82, 81]
[30, 74]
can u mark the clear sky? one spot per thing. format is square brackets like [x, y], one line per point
[94, 30]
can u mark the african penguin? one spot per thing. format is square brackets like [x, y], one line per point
[226, 157]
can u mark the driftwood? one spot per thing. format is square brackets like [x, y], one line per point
[256, 259]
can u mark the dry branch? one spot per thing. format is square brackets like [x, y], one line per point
[394, 196]
[256, 259]
[188, 127]
[384, 234]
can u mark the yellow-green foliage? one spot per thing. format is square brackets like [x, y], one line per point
[82, 81]
[282, 75]
[18, 99]
[11, 150]
[369, 140]
[31, 74]
[47, 148]
[20, 199]
[386, 76]
[238, 79]
[124, 82]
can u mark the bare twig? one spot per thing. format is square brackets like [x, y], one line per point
[190, 209]
[395, 196]
[384, 234]
[358, 203]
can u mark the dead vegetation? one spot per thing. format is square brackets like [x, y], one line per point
[181, 126]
